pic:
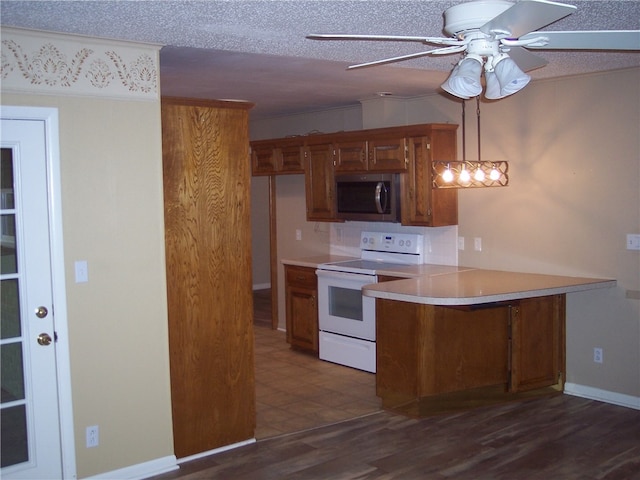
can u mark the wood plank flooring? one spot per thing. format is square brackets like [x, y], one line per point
[559, 437]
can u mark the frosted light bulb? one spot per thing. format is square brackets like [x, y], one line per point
[464, 175]
[479, 175]
[447, 175]
[495, 174]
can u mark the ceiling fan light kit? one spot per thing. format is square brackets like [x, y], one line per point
[498, 34]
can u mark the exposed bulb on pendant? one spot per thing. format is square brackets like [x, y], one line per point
[447, 175]
[495, 174]
[479, 174]
[464, 175]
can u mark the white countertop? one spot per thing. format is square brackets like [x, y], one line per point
[450, 285]
[476, 286]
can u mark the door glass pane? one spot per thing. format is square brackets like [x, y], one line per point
[345, 303]
[11, 372]
[14, 436]
[8, 257]
[8, 262]
[9, 309]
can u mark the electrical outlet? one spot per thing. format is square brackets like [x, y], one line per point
[477, 244]
[298, 234]
[460, 243]
[93, 436]
[597, 355]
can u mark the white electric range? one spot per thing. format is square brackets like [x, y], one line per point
[346, 318]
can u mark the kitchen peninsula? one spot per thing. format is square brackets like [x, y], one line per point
[471, 337]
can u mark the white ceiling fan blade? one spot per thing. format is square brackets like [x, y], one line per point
[437, 51]
[526, 16]
[526, 60]
[386, 38]
[586, 40]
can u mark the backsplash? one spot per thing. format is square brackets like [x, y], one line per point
[440, 244]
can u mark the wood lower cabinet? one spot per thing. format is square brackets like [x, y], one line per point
[433, 358]
[206, 179]
[301, 287]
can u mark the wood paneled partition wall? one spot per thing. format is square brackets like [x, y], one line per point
[208, 253]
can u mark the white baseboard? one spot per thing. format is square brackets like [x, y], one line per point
[141, 470]
[261, 286]
[602, 395]
[217, 450]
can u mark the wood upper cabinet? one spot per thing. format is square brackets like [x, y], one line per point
[301, 292]
[319, 182]
[281, 157]
[373, 153]
[350, 156]
[388, 154]
[406, 150]
[206, 179]
[422, 204]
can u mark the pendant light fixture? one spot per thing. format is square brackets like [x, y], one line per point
[469, 173]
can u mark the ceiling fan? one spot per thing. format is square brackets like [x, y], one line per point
[498, 35]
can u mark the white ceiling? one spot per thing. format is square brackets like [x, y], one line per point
[256, 50]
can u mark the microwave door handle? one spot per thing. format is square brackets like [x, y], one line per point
[379, 189]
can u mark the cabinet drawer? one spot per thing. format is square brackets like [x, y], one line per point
[301, 276]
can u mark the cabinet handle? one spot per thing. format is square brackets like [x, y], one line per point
[313, 300]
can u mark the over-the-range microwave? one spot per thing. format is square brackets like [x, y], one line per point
[368, 197]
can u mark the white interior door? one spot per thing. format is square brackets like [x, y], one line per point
[30, 423]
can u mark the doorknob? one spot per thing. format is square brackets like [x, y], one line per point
[44, 339]
[41, 312]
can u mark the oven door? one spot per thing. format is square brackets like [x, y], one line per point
[342, 309]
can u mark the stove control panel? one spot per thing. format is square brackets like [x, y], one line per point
[408, 243]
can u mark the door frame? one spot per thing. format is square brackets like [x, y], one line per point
[54, 200]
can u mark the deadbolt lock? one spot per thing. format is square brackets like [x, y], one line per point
[41, 312]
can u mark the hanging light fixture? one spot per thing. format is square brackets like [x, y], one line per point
[503, 77]
[464, 81]
[468, 173]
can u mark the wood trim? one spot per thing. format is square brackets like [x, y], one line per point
[201, 102]
[273, 251]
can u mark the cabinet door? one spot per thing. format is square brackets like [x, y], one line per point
[264, 159]
[319, 182]
[422, 204]
[387, 155]
[537, 343]
[301, 308]
[291, 159]
[351, 156]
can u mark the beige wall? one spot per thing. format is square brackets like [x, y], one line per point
[111, 175]
[260, 253]
[574, 194]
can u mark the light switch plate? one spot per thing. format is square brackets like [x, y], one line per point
[82, 271]
[633, 241]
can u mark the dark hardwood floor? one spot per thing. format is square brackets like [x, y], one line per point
[262, 307]
[553, 438]
[560, 437]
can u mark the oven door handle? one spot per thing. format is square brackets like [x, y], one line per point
[347, 276]
[379, 189]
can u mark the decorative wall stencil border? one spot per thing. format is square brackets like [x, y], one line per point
[43, 62]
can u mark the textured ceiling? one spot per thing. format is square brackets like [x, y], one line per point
[256, 50]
